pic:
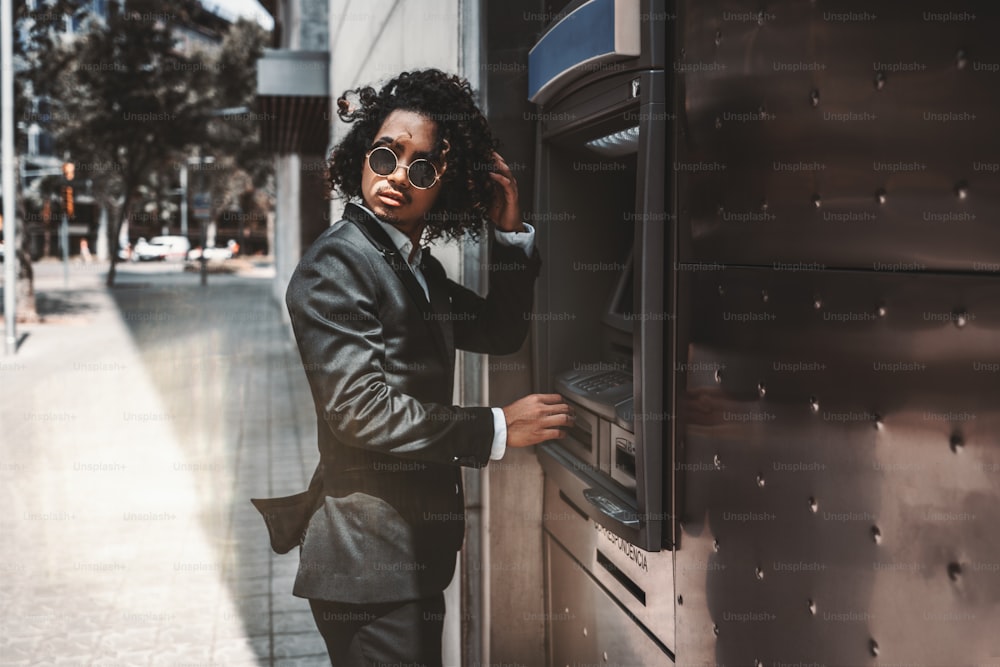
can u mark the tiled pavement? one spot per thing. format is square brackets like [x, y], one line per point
[135, 424]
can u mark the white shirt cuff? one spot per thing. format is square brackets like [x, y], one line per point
[499, 435]
[524, 240]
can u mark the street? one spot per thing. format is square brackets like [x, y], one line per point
[137, 422]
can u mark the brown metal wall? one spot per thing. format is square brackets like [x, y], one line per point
[838, 436]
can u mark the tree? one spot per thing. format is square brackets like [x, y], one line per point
[126, 97]
[242, 166]
[35, 30]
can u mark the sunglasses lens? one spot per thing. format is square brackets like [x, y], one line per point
[422, 174]
[382, 161]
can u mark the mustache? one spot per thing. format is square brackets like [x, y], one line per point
[388, 188]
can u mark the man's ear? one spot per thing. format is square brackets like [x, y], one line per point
[444, 156]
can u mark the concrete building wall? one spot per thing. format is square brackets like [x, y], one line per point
[287, 244]
[514, 495]
[302, 212]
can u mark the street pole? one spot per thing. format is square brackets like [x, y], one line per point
[69, 173]
[184, 199]
[202, 209]
[204, 227]
[7, 159]
[64, 244]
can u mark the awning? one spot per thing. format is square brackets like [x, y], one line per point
[293, 100]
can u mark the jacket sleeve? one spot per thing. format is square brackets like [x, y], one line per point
[332, 300]
[498, 323]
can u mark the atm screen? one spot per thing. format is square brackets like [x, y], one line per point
[621, 306]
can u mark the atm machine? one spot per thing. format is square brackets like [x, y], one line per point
[603, 329]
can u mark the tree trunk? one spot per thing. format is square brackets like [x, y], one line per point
[113, 241]
[26, 311]
[25, 281]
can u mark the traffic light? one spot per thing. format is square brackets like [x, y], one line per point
[69, 171]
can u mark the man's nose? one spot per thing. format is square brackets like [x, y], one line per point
[398, 176]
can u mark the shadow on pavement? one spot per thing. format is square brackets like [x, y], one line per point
[50, 305]
[223, 362]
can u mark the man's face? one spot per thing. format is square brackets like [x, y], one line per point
[393, 198]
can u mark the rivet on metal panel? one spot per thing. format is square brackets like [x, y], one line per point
[881, 310]
[876, 535]
[566, 610]
[873, 647]
[817, 302]
[758, 663]
[761, 481]
[812, 607]
[715, 546]
[605, 656]
[879, 80]
[722, 290]
[718, 37]
[880, 195]
[878, 421]
[717, 462]
[814, 97]
[683, 52]
[584, 631]
[719, 210]
[817, 201]
[954, 571]
[760, 18]
[764, 296]
[718, 376]
[813, 504]
[961, 59]
[759, 573]
[761, 389]
[715, 629]
[636, 88]
[763, 205]
[962, 189]
[956, 442]
[814, 404]
[680, 599]
[960, 318]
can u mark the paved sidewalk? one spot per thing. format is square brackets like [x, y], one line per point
[136, 424]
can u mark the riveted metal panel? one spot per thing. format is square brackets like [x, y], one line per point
[839, 464]
[845, 134]
[838, 336]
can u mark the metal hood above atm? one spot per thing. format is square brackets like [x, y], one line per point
[293, 99]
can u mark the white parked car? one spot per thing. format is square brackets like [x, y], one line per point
[161, 248]
[213, 253]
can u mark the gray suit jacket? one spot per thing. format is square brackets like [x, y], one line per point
[380, 362]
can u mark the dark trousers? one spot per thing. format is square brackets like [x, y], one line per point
[400, 634]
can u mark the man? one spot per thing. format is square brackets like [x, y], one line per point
[377, 323]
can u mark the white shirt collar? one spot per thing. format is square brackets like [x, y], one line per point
[399, 239]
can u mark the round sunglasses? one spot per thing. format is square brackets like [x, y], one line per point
[421, 172]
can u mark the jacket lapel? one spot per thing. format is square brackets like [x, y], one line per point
[383, 243]
[440, 302]
[433, 317]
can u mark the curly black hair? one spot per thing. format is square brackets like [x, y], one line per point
[467, 190]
